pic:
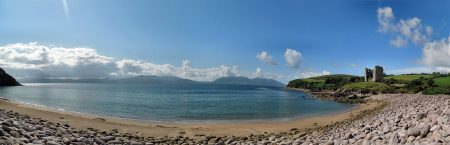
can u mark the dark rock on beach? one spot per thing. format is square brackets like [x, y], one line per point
[7, 80]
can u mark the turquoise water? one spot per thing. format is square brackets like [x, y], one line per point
[193, 103]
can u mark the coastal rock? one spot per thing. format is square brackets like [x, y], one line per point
[272, 138]
[413, 132]
[348, 136]
[425, 130]
[78, 143]
[14, 134]
[421, 116]
[99, 141]
[136, 143]
[52, 143]
[6, 123]
[394, 139]
[107, 138]
[229, 141]
[82, 139]
[5, 142]
[266, 142]
[435, 127]
[386, 129]
[411, 138]
[7, 129]
[7, 80]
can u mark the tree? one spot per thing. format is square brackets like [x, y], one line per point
[430, 82]
[416, 83]
[391, 81]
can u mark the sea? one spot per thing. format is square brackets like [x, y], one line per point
[199, 103]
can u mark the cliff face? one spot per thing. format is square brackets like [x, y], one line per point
[7, 80]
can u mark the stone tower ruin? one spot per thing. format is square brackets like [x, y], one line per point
[368, 74]
[375, 75]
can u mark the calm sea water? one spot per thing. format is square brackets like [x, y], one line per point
[193, 103]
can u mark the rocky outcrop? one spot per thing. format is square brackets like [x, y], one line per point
[7, 80]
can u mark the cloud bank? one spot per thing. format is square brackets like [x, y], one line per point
[36, 60]
[435, 53]
[43, 61]
[309, 74]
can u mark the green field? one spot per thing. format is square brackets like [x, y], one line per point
[311, 80]
[442, 81]
[326, 82]
[435, 83]
[325, 77]
[366, 86]
[408, 77]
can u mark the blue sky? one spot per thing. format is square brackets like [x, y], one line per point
[332, 36]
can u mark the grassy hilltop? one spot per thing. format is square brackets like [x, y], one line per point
[435, 83]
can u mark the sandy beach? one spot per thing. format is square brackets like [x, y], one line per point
[143, 128]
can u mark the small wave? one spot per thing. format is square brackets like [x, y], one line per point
[59, 109]
[42, 106]
[32, 104]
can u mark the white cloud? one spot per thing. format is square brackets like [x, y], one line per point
[36, 60]
[266, 58]
[417, 70]
[398, 42]
[205, 74]
[437, 53]
[385, 17]
[404, 30]
[128, 67]
[55, 61]
[406, 27]
[428, 30]
[258, 72]
[313, 74]
[292, 58]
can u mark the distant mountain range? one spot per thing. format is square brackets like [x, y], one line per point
[51, 80]
[153, 79]
[248, 81]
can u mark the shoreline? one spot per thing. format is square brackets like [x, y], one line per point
[394, 119]
[188, 122]
[161, 129]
